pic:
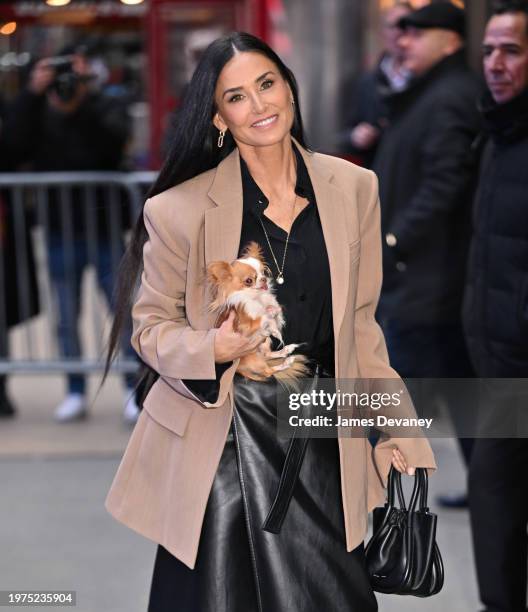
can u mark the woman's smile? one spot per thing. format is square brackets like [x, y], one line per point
[264, 123]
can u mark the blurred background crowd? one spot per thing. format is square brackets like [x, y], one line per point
[433, 96]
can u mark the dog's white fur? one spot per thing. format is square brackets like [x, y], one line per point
[257, 302]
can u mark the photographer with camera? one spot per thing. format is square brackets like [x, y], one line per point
[62, 122]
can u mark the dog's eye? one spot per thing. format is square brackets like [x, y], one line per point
[249, 281]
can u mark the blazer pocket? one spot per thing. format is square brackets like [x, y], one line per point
[168, 408]
[354, 248]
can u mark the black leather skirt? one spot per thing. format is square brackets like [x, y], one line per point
[273, 537]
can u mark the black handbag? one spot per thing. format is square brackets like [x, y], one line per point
[402, 556]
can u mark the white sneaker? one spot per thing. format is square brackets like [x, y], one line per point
[72, 408]
[131, 411]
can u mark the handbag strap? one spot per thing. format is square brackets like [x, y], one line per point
[395, 488]
[424, 489]
[419, 493]
[416, 492]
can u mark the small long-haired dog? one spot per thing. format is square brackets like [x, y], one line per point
[245, 287]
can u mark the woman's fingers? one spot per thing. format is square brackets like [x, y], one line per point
[397, 465]
[398, 461]
[228, 323]
[233, 344]
[255, 339]
[247, 344]
[227, 341]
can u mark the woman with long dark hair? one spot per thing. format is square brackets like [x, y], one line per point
[245, 520]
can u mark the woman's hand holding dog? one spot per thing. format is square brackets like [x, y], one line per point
[230, 345]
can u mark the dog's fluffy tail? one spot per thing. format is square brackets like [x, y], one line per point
[289, 378]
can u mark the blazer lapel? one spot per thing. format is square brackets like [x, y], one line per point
[223, 223]
[330, 204]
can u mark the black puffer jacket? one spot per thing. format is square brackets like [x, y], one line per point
[496, 299]
[427, 166]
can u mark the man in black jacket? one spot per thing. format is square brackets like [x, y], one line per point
[496, 312]
[426, 166]
[365, 123]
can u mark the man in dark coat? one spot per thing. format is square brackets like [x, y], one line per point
[496, 313]
[365, 122]
[426, 165]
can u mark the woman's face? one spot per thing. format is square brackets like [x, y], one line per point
[253, 101]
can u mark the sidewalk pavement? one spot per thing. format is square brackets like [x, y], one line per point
[56, 535]
[35, 434]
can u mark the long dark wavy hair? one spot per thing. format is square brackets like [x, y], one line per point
[193, 149]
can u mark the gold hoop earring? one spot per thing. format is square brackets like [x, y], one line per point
[221, 139]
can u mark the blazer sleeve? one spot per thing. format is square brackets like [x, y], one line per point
[207, 390]
[161, 335]
[373, 359]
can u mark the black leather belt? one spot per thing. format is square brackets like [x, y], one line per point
[290, 472]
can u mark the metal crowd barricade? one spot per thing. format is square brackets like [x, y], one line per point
[94, 211]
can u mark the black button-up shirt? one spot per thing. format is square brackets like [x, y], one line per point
[306, 295]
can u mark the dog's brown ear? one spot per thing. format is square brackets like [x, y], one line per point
[253, 249]
[218, 271]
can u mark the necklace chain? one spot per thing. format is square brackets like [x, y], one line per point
[280, 276]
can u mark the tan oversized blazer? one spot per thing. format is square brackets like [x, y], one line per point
[163, 482]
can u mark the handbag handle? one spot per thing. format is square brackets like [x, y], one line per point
[419, 492]
[424, 505]
[395, 488]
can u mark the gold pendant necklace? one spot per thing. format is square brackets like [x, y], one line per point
[280, 276]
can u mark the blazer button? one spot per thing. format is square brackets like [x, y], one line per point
[401, 266]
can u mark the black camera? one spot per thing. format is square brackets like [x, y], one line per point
[66, 80]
